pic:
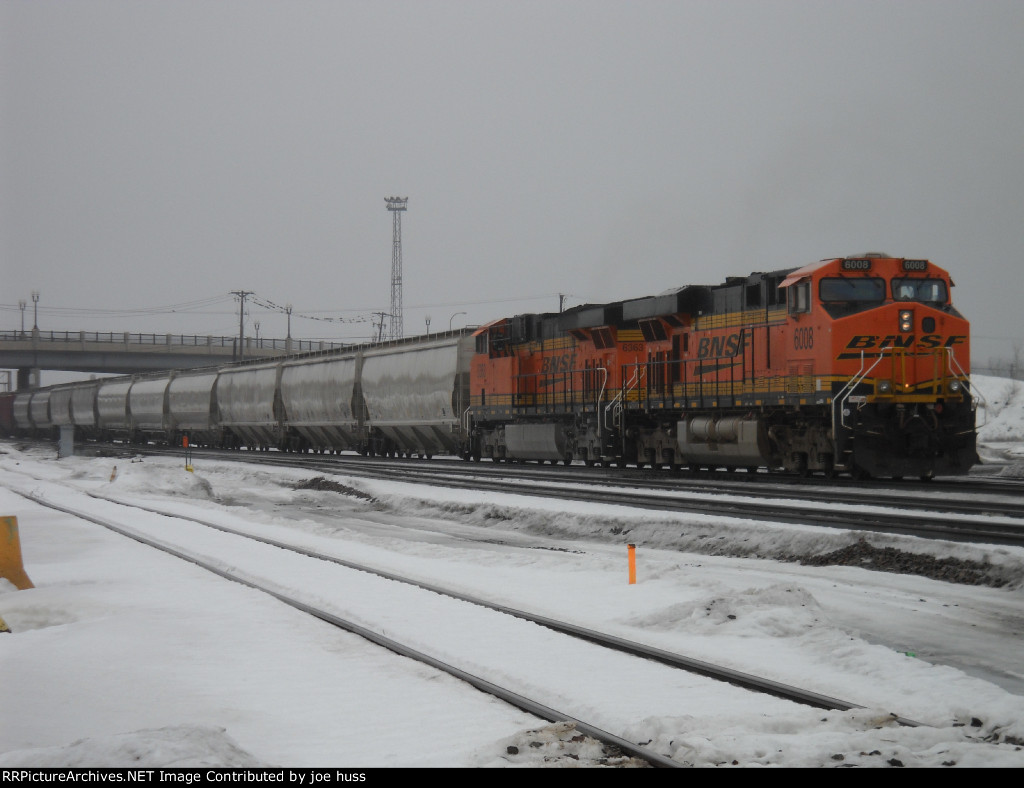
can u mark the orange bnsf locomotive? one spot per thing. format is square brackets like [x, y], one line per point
[857, 365]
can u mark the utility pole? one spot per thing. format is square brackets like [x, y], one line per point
[242, 294]
[35, 310]
[380, 325]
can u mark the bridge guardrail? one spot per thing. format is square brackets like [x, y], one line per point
[167, 340]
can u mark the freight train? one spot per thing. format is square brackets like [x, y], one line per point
[857, 365]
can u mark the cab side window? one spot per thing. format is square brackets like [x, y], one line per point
[800, 298]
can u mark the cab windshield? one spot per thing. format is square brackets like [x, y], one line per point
[852, 289]
[926, 290]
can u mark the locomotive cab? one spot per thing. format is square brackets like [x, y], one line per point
[882, 339]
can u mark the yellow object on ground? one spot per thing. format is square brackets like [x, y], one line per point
[11, 566]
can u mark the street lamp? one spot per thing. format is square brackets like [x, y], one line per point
[22, 304]
[35, 310]
[428, 325]
[452, 318]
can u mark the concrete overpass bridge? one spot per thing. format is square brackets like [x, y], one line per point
[125, 353]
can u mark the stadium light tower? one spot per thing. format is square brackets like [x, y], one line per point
[396, 205]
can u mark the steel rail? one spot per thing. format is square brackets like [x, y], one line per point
[692, 665]
[509, 696]
[936, 525]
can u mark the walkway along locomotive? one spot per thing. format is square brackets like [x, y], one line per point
[857, 365]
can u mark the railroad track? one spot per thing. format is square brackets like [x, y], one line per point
[272, 586]
[965, 519]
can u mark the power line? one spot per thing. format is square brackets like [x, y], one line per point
[271, 306]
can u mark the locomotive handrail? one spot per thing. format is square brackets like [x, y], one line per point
[852, 383]
[953, 365]
[976, 395]
[616, 405]
[597, 404]
[569, 393]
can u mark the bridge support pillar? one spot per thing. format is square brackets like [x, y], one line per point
[66, 442]
[28, 378]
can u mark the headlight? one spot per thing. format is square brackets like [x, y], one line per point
[954, 386]
[885, 387]
[906, 320]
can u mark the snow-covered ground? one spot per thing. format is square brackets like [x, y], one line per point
[123, 656]
[1001, 416]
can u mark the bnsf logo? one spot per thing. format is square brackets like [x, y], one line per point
[717, 347]
[552, 364]
[872, 342]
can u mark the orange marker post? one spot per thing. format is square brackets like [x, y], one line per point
[632, 564]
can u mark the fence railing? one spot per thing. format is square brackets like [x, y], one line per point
[166, 340]
[1013, 371]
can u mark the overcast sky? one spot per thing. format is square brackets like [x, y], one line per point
[165, 153]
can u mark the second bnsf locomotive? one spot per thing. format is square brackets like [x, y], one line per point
[856, 364]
